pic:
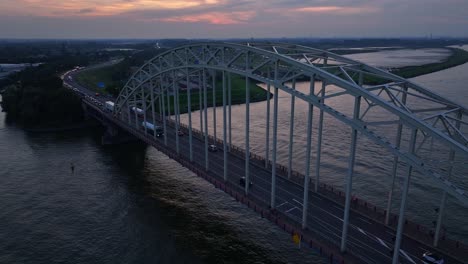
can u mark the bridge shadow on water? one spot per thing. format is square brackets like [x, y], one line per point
[199, 218]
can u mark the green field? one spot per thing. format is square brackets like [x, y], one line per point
[238, 95]
[91, 78]
[457, 57]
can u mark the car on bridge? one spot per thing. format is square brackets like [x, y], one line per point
[242, 181]
[431, 258]
[212, 148]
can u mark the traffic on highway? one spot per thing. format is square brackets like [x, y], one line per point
[368, 240]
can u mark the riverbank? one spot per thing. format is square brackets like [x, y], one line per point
[458, 57]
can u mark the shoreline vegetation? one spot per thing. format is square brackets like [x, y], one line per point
[458, 57]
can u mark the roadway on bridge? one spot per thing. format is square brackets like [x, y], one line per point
[369, 240]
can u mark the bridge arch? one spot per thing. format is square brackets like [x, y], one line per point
[414, 115]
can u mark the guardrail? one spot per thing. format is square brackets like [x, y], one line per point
[371, 211]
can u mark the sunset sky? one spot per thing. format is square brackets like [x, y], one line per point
[231, 18]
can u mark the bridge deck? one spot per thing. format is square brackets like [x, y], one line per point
[370, 241]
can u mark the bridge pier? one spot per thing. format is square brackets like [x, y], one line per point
[114, 135]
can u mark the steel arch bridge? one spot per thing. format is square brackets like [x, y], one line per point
[405, 119]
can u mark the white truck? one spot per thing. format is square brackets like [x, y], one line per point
[137, 110]
[159, 131]
[110, 106]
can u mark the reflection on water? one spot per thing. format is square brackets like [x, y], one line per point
[450, 83]
[122, 204]
[401, 57]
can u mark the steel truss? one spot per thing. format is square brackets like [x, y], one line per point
[409, 121]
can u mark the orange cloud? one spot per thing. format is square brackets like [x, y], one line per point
[336, 9]
[96, 7]
[217, 18]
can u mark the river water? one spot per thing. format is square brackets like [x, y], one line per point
[132, 204]
[122, 204]
[401, 57]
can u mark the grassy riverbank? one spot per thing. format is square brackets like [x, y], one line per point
[257, 94]
[107, 74]
[457, 57]
[110, 76]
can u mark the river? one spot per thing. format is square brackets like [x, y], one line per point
[122, 204]
[132, 204]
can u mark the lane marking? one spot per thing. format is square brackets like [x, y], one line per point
[339, 208]
[365, 220]
[286, 191]
[425, 250]
[297, 202]
[281, 204]
[291, 209]
[360, 230]
[318, 197]
[382, 242]
[406, 255]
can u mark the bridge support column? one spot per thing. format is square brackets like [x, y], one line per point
[440, 217]
[349, 177]
[159, 104]
[444, 195]
[200, 102]
[114, 135]
[143, 98]
[129, 114]
[267, 132]
[214, 104]
[401, 217]
[135, 110]
[163, 111]
[307, 168]
[205, 99]
[189, 110]
[275, 134]
[168, 104]
[230, 110]
[152, 107]
[224, 130]
[394, 173]
[247, 132]
[319, 139]
[175, 94]
[291, 131]
[395, 163]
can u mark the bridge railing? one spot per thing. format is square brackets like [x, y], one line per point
[374, 212]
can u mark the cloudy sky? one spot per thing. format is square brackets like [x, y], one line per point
[231, 18]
